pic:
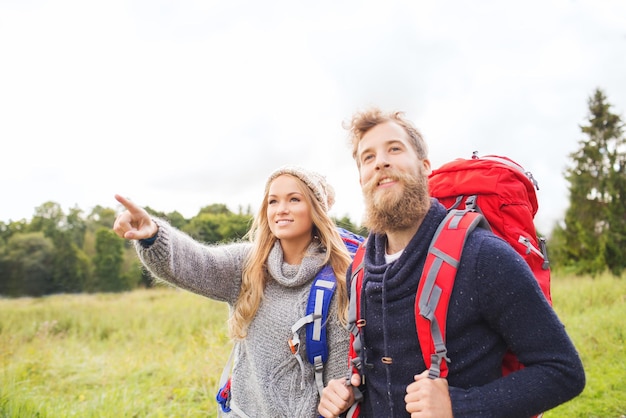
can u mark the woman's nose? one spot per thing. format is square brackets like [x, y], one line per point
[283, 208]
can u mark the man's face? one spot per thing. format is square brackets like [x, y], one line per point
[393, 179]
[383, 148]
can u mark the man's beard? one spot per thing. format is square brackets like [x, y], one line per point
[392, 209]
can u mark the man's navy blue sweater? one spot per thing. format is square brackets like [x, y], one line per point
[496, 303]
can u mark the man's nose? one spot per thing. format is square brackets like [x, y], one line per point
[381, 161]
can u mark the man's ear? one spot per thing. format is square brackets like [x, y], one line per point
[427, 167]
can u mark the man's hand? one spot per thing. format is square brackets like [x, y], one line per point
[134, 222]
[338, 396]
[428, 398]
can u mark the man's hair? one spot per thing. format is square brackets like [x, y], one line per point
[365, 120]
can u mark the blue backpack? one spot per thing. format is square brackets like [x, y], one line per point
[314, 321]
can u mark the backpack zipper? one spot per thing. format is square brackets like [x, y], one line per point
[529, 246]
[543, 253]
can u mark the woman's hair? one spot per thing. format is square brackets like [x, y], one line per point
[365, 120]
[255, 272]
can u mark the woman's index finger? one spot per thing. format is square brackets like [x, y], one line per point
[130, 206]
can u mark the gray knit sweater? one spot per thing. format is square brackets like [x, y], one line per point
[266, 380]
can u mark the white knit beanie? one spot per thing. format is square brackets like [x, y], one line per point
[324, 192]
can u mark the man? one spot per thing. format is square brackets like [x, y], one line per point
[495, 304]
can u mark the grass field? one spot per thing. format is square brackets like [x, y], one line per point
[160, 352]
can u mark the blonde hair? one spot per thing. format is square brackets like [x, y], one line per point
[255, 272]
[365, 120]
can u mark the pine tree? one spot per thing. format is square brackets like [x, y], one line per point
[595, 223]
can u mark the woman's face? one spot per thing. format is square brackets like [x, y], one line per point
[288, 212]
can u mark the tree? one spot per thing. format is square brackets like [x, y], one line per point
[13, 227]
[211, 227]
[101, 217]
[76, 226]
[49, 219]
[72, 267]
[176, 219]
[595, 223]
[216, 208]
[27, 265]
[108, 262]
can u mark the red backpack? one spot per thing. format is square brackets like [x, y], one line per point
[493, 192]
[504, 193]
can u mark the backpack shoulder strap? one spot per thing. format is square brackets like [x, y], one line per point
[314, 321]
[435, 286]
[354, 309]
[354, 325]
[318, 305]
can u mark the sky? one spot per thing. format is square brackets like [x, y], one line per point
[180, 104]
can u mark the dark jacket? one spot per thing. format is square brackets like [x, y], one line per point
[495, 303]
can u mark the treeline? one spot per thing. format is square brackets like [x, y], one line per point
[57, 252]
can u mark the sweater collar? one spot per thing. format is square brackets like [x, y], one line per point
[293, 276]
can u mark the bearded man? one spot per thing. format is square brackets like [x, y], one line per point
[495, 305]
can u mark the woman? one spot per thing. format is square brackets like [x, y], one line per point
[266, 282]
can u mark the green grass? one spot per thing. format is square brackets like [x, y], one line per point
[156, 353]
[160, 352]
[594, 313]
